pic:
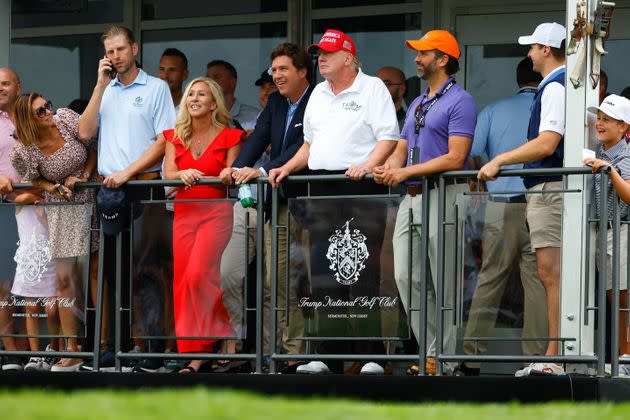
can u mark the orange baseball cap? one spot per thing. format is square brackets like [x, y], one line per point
[436, 40]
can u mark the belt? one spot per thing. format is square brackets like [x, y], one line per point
[415, 189]
[514, 199]
[145, 176]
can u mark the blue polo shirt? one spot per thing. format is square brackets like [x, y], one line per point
[130, 118]
[501, 127]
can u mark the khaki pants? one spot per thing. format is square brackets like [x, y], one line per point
[401, 263]
[506, 241]
[234, 266]
[295, 326]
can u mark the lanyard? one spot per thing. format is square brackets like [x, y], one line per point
[421, 117]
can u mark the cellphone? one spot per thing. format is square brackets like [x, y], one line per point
[61, 191]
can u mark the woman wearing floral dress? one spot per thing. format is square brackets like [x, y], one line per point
[51, 156]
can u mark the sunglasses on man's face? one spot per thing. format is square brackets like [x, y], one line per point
[41, 111]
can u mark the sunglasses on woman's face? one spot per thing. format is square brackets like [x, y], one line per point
[41, 111]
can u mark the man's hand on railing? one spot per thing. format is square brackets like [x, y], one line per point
[116, 179]
[245, 174]
[378, 172]
[357, 172]
[393, 176]
[489, 171]
[226, 175]
[276, 175]
[5, 185]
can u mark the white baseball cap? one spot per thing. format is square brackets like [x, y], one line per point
[551, 34]
[614, 106]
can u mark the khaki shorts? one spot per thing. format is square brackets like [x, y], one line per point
[623, 258]
[544, 216]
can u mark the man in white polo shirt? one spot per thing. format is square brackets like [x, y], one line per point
[129, 109]
[350, 127]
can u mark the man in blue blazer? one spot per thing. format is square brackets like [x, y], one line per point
[279, 130]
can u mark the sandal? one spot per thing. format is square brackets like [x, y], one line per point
[187, 369]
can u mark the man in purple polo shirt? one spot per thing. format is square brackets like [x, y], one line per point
[436, 137]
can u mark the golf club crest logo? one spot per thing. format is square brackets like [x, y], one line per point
[347, 252]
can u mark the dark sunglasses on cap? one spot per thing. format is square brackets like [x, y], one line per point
[41, 111]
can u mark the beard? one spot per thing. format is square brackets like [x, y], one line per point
[428, 70]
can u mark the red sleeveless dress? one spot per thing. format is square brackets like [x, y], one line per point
[201, 231]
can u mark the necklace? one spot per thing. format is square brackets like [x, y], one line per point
[198, 151]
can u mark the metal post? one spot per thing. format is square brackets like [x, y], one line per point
[614, 304]
[260, 246]
[99, 303]
[439, 284]
[274, 280]
[424, 276]
[118, 329]
[601, 291]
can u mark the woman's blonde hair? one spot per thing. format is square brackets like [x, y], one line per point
[220, 116]
[26, 127]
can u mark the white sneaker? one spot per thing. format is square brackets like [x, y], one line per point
[313, 368]
[371, 368]
[33, 364]
[541, 369]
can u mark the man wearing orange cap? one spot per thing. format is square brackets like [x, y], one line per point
[350, 127]
[436, 137]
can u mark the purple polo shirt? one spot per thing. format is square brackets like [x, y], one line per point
[454, 114]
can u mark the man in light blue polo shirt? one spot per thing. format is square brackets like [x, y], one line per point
[129, 109]
[501, 127]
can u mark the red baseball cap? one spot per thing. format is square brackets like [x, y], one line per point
[436, 40]
[334, 40]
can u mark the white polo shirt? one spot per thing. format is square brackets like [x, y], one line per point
[343, 129]
[552, 105]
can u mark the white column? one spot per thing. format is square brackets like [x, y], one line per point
[572, 316]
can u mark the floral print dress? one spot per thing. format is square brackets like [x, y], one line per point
[68, 223]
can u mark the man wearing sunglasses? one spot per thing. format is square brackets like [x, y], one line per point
[436, 137]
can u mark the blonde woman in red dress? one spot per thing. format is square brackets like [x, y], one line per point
[200, 146]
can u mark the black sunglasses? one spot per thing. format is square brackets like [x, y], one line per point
[41, 111]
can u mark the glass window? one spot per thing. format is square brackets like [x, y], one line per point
[491, 71]
[380, 40]
[166, 9]
[616, 64]
[247, 47]
[29, 14]
[323, 4]
[60, 68]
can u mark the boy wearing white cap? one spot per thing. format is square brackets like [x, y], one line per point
[544, 149]
[613, 121]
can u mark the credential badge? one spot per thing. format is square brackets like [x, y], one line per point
[347, 252]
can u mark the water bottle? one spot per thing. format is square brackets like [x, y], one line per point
[245, 195]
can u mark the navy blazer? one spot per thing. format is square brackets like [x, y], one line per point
[270, 130]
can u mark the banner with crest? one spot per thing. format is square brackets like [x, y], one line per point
[346, 285]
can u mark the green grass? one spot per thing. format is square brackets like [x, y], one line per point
[214, 404]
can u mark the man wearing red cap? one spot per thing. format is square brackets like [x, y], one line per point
[436, 137]
[350, 127]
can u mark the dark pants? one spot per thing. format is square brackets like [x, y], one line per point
[146, 274]
[368, 217]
